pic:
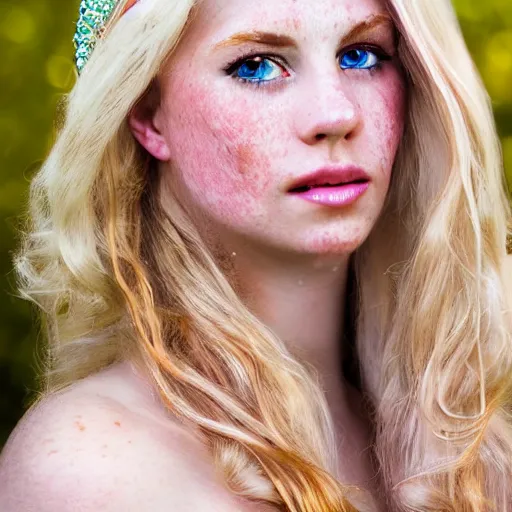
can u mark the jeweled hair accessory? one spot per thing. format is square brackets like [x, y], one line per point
[92, 23]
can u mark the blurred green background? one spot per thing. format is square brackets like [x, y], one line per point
[36, 68]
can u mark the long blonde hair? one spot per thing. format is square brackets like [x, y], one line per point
[118, 277]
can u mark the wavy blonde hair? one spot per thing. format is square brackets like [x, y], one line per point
[117, 277]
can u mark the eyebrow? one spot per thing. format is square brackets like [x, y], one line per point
[271, 39]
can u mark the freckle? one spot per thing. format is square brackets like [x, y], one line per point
[129, 442]
[105, 446]
[117, 423]
[52, 452]
[80, 426]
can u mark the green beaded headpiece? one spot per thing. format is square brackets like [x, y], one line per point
[94, 17]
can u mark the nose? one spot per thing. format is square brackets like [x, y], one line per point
[327, 110]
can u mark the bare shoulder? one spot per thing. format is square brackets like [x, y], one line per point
[80, 450]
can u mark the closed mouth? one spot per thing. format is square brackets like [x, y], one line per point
[309, 187]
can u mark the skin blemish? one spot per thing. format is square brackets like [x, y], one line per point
[329, 242]
[80, 425]
[293, 24]
[249, 158]
[117, 423]
[245, 157]
[52, 452]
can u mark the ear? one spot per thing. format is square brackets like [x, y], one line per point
[145, 123]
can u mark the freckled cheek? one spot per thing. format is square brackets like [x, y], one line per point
[385, 121]
[222, 147]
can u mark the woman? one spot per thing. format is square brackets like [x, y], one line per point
[269, 245]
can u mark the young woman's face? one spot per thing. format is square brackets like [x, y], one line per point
[260, 94]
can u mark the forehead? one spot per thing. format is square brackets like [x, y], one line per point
[227, 16]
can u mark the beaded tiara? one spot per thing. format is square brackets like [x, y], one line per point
[95, 18]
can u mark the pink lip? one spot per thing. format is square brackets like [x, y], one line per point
[334, 196]
[332, 175]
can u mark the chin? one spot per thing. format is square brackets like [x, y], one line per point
[327, 249]
[335, 242]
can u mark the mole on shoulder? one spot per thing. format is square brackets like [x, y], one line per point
[80, 425]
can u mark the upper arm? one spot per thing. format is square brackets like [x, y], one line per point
[79, 458]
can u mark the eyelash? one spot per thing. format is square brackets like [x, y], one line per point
[232, 67]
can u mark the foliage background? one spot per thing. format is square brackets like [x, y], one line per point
[36, 68]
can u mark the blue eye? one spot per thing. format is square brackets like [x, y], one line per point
[360, 59]
[263, 69]
[258, 69]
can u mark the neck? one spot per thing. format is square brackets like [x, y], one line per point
[302, 300]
